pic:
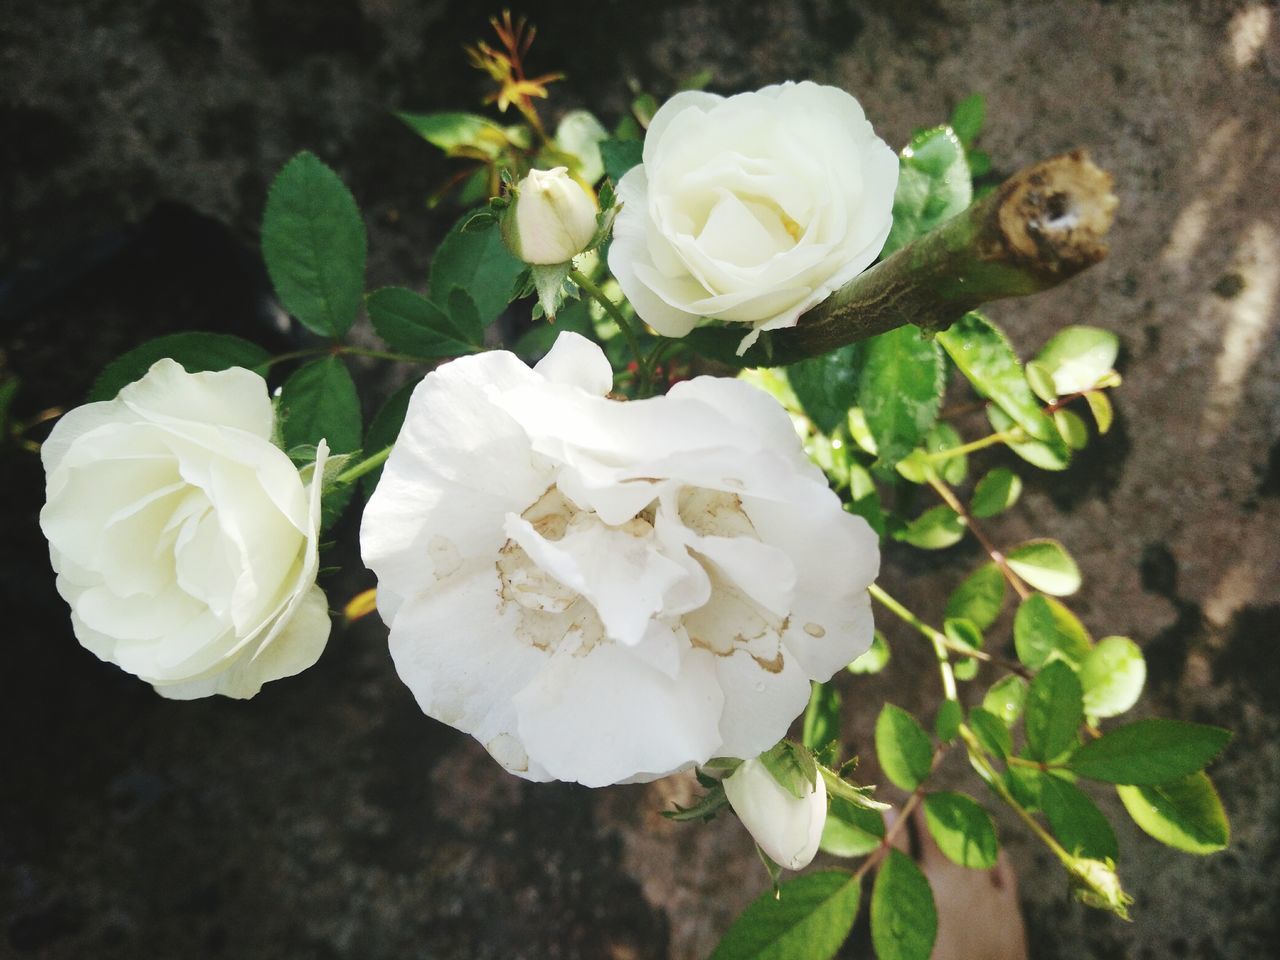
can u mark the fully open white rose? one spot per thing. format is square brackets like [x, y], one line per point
[601, 591]
[752, 208]
[787, 828]
[185, 542]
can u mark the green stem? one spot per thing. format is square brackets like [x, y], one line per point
[997, 556]
[342, 349]
[295, 355]
[980, 759]
[398, 357]
[1003, 436]
[368, 465]
[939, 640]
[590, 287]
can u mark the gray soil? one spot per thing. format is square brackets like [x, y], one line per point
[328, 818]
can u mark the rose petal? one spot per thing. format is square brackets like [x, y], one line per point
[604, 717]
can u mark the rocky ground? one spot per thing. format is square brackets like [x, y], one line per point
[327, 817]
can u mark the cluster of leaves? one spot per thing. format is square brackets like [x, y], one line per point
[875, 422]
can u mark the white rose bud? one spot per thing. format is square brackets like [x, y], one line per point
[787, 828]
[183, 539]
[551, 220]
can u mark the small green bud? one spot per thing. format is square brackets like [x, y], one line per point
[1095, 884]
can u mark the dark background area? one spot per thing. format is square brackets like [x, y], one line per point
[327, 817]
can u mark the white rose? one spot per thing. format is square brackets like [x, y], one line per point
[751, 209]
[551, 220]
[601, 591]
[184, 541]
[787, 828]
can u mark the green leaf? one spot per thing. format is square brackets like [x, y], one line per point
[1026, 785]
[196, 352]
[996, 492]
[1044, 628]
[478, 262]
[459, 134]
[1006, 698]
[963, 830]
[936, 529]
[1112, 675]
[619, 156]
[1072, 429]
[319, 402]
[822, 716]
[985, 357]
[1103, 414]
[827, 386]
[964, 633]
[1149, 752]
[900, 390]
[860, 433]
[943, 437]
[704, 808]
[947, 723]
[1041, 381]
[876, 657]
[904, 921]
[410, 323]
[979, 598]
[1046, 565]
[1045, 456]
[851, 830]
[903, 747]
[968, 117]
[1054, 712]
[933, 186]
[314, 244]
[1078, 357]
[384, 429]
[793, 766]
[1184, 813]
[991, 731]
[579, 133]
[808, 920]
[1076, 820]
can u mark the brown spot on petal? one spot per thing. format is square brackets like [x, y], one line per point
[815, 630]
[770, 666]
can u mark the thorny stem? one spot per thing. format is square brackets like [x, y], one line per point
[948, 496]
[590, 287]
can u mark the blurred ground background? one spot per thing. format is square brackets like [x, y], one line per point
[327, 818]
